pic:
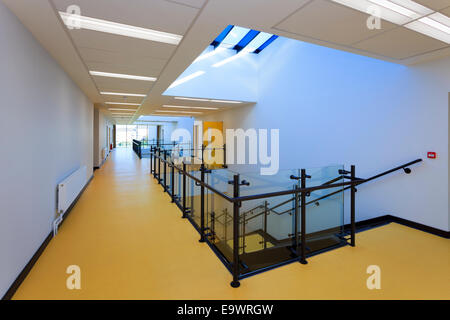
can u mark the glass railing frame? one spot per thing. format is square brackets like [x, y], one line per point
[161, 157]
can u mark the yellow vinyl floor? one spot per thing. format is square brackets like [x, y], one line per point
[131, 243]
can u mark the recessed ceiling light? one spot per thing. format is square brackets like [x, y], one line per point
[123, 94]
[191, 99]
[121, 76]
[187, 112]
[118, 109]
[82, 22]
[187, 107]
[187, 78]
[124, 103]
[395, 11]
[226, 101]
[207, 100]
[438, 21]
[427, 27]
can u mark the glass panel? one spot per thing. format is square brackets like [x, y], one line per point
[121, 136]
[324, 209]
[219, 211]
[266, 225]
[235, 35]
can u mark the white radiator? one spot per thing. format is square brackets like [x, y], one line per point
[68, 191]
[104, 153]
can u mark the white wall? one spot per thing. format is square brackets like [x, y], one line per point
[101, 124]
[45, 134]
[334, 107]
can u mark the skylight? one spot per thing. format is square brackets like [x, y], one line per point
[234, 36]
[242, 39]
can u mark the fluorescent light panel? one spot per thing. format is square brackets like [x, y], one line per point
[409, 14]
[77, 21]
[424, 26]
[118, 109]
[395, 11]
[187, 112]
[187, 107]
[123, 103]
[207, 100]
[123, 94]
[225, 101]
[121, 76]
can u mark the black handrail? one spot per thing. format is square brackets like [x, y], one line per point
[357, 182]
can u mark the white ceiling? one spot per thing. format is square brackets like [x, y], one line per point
[199, 21]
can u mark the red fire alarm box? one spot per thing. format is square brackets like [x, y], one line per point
[431, 155]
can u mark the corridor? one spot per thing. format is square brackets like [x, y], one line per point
[130, 242]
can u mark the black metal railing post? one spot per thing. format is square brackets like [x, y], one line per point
[172, 182]
[235, 283]
[295, 238]
[266, 204]
[303, 218]
[165, 171]
[352, 207]
[184, 190]
[225, 156]
[202, 203]
[151, 160]
[159, 165]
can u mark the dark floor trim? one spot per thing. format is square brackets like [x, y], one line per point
[421, 227]
[386, 219]
[26, 270]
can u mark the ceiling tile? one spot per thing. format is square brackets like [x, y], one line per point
[122, 99]
[400, 43]
[191, 3]
[331, 22]
[107, 61]
[151, 14]
[122, 85]
[446, 11]
[434, 4]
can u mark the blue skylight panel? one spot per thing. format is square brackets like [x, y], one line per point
[258, 41]
[234, 36]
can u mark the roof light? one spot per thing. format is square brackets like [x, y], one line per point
[121, 76]
[234, 36]
[77, 21]
[258, 41]
[118, 109]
